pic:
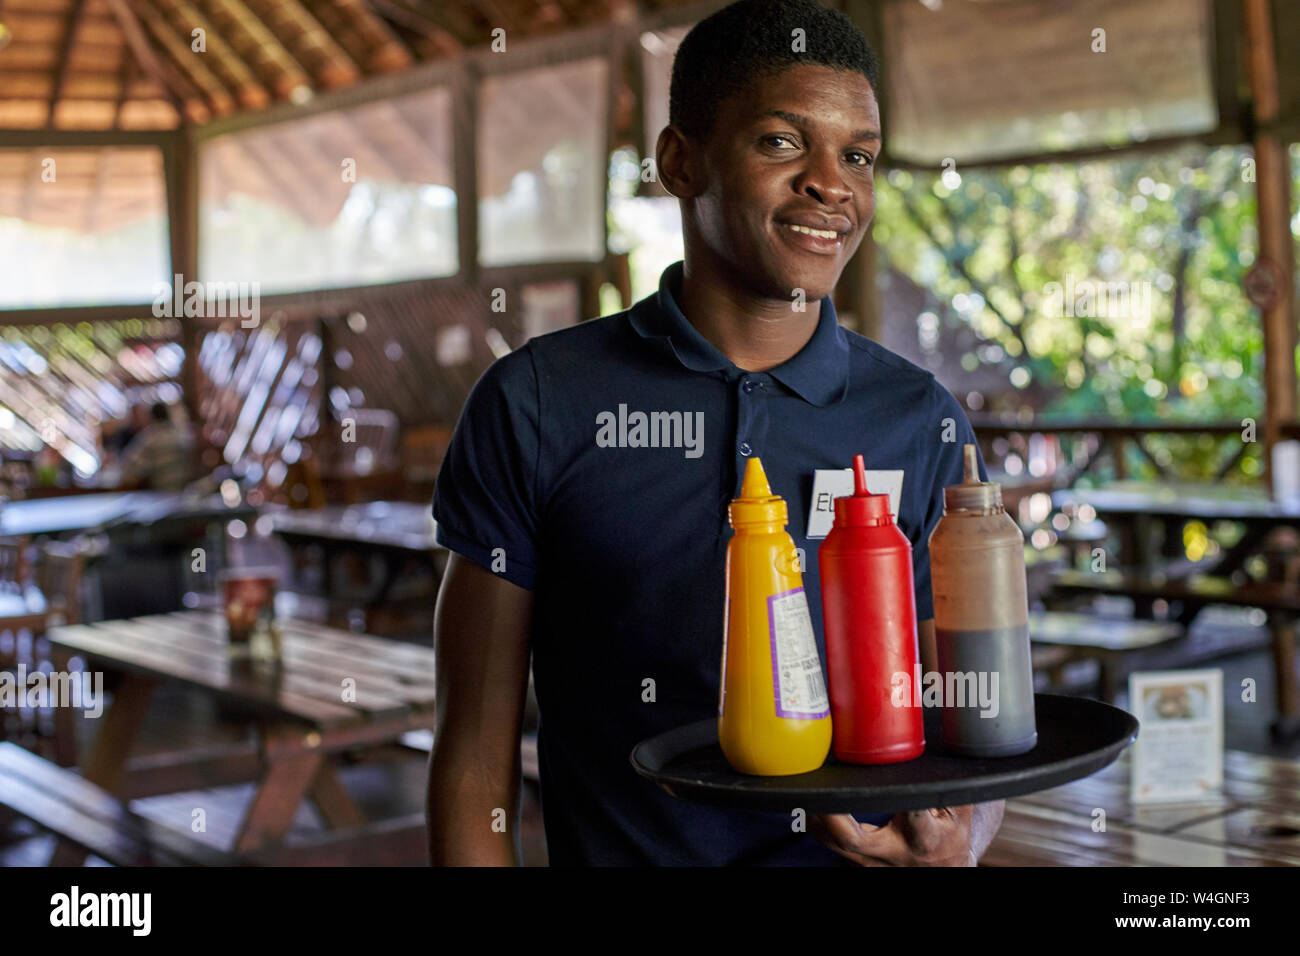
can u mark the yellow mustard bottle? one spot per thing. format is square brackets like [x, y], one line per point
[774, 714]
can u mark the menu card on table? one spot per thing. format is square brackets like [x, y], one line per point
[1178, 756]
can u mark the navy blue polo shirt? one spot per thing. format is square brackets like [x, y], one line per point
[622, 539]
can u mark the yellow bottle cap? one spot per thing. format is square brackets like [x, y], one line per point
[757, 504]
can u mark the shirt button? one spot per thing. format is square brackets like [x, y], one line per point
[748, 386]
[745, 449]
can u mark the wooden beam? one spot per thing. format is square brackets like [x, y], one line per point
[75, 14]
[1273, 207]
[443, 41]
[309, 41]
[67, 138]
[464, 138]
[187, 106]
[181, 174]
[191, 64]
[259, 47]
[238, 76]
[363, 33]
[126, 76]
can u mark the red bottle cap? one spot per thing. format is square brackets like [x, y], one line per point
[862, 508]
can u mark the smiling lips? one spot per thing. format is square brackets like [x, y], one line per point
[822, 241]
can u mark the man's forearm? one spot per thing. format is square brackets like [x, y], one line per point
[468, 826]
[985, 820]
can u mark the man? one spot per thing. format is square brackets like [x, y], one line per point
[158, 458]
[604, 558]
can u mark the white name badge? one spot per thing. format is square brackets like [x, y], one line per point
[832, 483]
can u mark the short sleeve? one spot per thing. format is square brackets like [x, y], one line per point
[949, 469]
[485, 501]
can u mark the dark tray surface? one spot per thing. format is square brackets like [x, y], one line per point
[1076, 738]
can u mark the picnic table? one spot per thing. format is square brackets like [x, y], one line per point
[1141, 508]
[1253, 822]
[1150, 574]
[335, 692]
[398, 535]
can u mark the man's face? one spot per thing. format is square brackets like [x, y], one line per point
[795, 152]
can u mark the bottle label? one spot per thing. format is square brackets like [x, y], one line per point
[796, 666]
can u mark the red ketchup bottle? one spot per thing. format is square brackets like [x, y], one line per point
[869, 610]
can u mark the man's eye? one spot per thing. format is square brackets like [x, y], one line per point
[774, 140]
[861, 159]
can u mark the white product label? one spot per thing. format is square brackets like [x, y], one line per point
[796, 667]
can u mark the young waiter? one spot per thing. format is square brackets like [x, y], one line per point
[598, 549]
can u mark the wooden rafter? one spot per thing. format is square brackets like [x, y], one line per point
[226, 61]
[311, 43]
[451, 16]
[444, 43]
[259, 47]
[363, 33]
[75, 13]
[126, 76]
[193, 65]
[176, 89]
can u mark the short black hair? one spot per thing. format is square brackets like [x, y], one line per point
[160, 412]
[724, 53]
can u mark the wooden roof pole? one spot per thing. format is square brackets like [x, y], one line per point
[65, 56]
[175, 87]
[226, 61]
[181, 174]
[1274, 271]
[441, 41]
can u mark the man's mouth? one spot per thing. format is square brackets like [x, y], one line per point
[819, 233]
[820, 242]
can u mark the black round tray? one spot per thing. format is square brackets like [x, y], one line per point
[1076, 737]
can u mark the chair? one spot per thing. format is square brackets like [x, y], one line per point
[29, 608]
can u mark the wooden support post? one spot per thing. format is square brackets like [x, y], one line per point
[1275, 268]
[182, 178]
[464, 121]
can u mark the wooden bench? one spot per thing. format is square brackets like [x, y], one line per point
[91, 818]
[1279, 600]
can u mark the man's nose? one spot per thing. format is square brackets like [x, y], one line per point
[821, 179]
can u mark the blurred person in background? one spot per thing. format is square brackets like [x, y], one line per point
[159, 457]
[118, 433]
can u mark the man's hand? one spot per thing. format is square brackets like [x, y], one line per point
[940, 837]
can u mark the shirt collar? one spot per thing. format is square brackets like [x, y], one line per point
[818, 373]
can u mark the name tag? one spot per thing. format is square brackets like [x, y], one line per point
[832, 483]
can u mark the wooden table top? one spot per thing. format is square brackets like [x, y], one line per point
[62, 515]
[1255, 822]
[397, 524]
[390, 679]
[1181, 500]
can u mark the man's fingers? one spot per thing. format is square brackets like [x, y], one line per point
[847, 837]
[886, 844]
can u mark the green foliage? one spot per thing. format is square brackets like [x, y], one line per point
[1181, 225]
[1000, 247]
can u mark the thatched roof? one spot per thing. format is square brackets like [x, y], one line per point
[133, 64]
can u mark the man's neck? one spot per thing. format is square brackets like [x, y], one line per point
[755, 333]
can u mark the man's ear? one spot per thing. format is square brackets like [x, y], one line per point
[677, 159]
